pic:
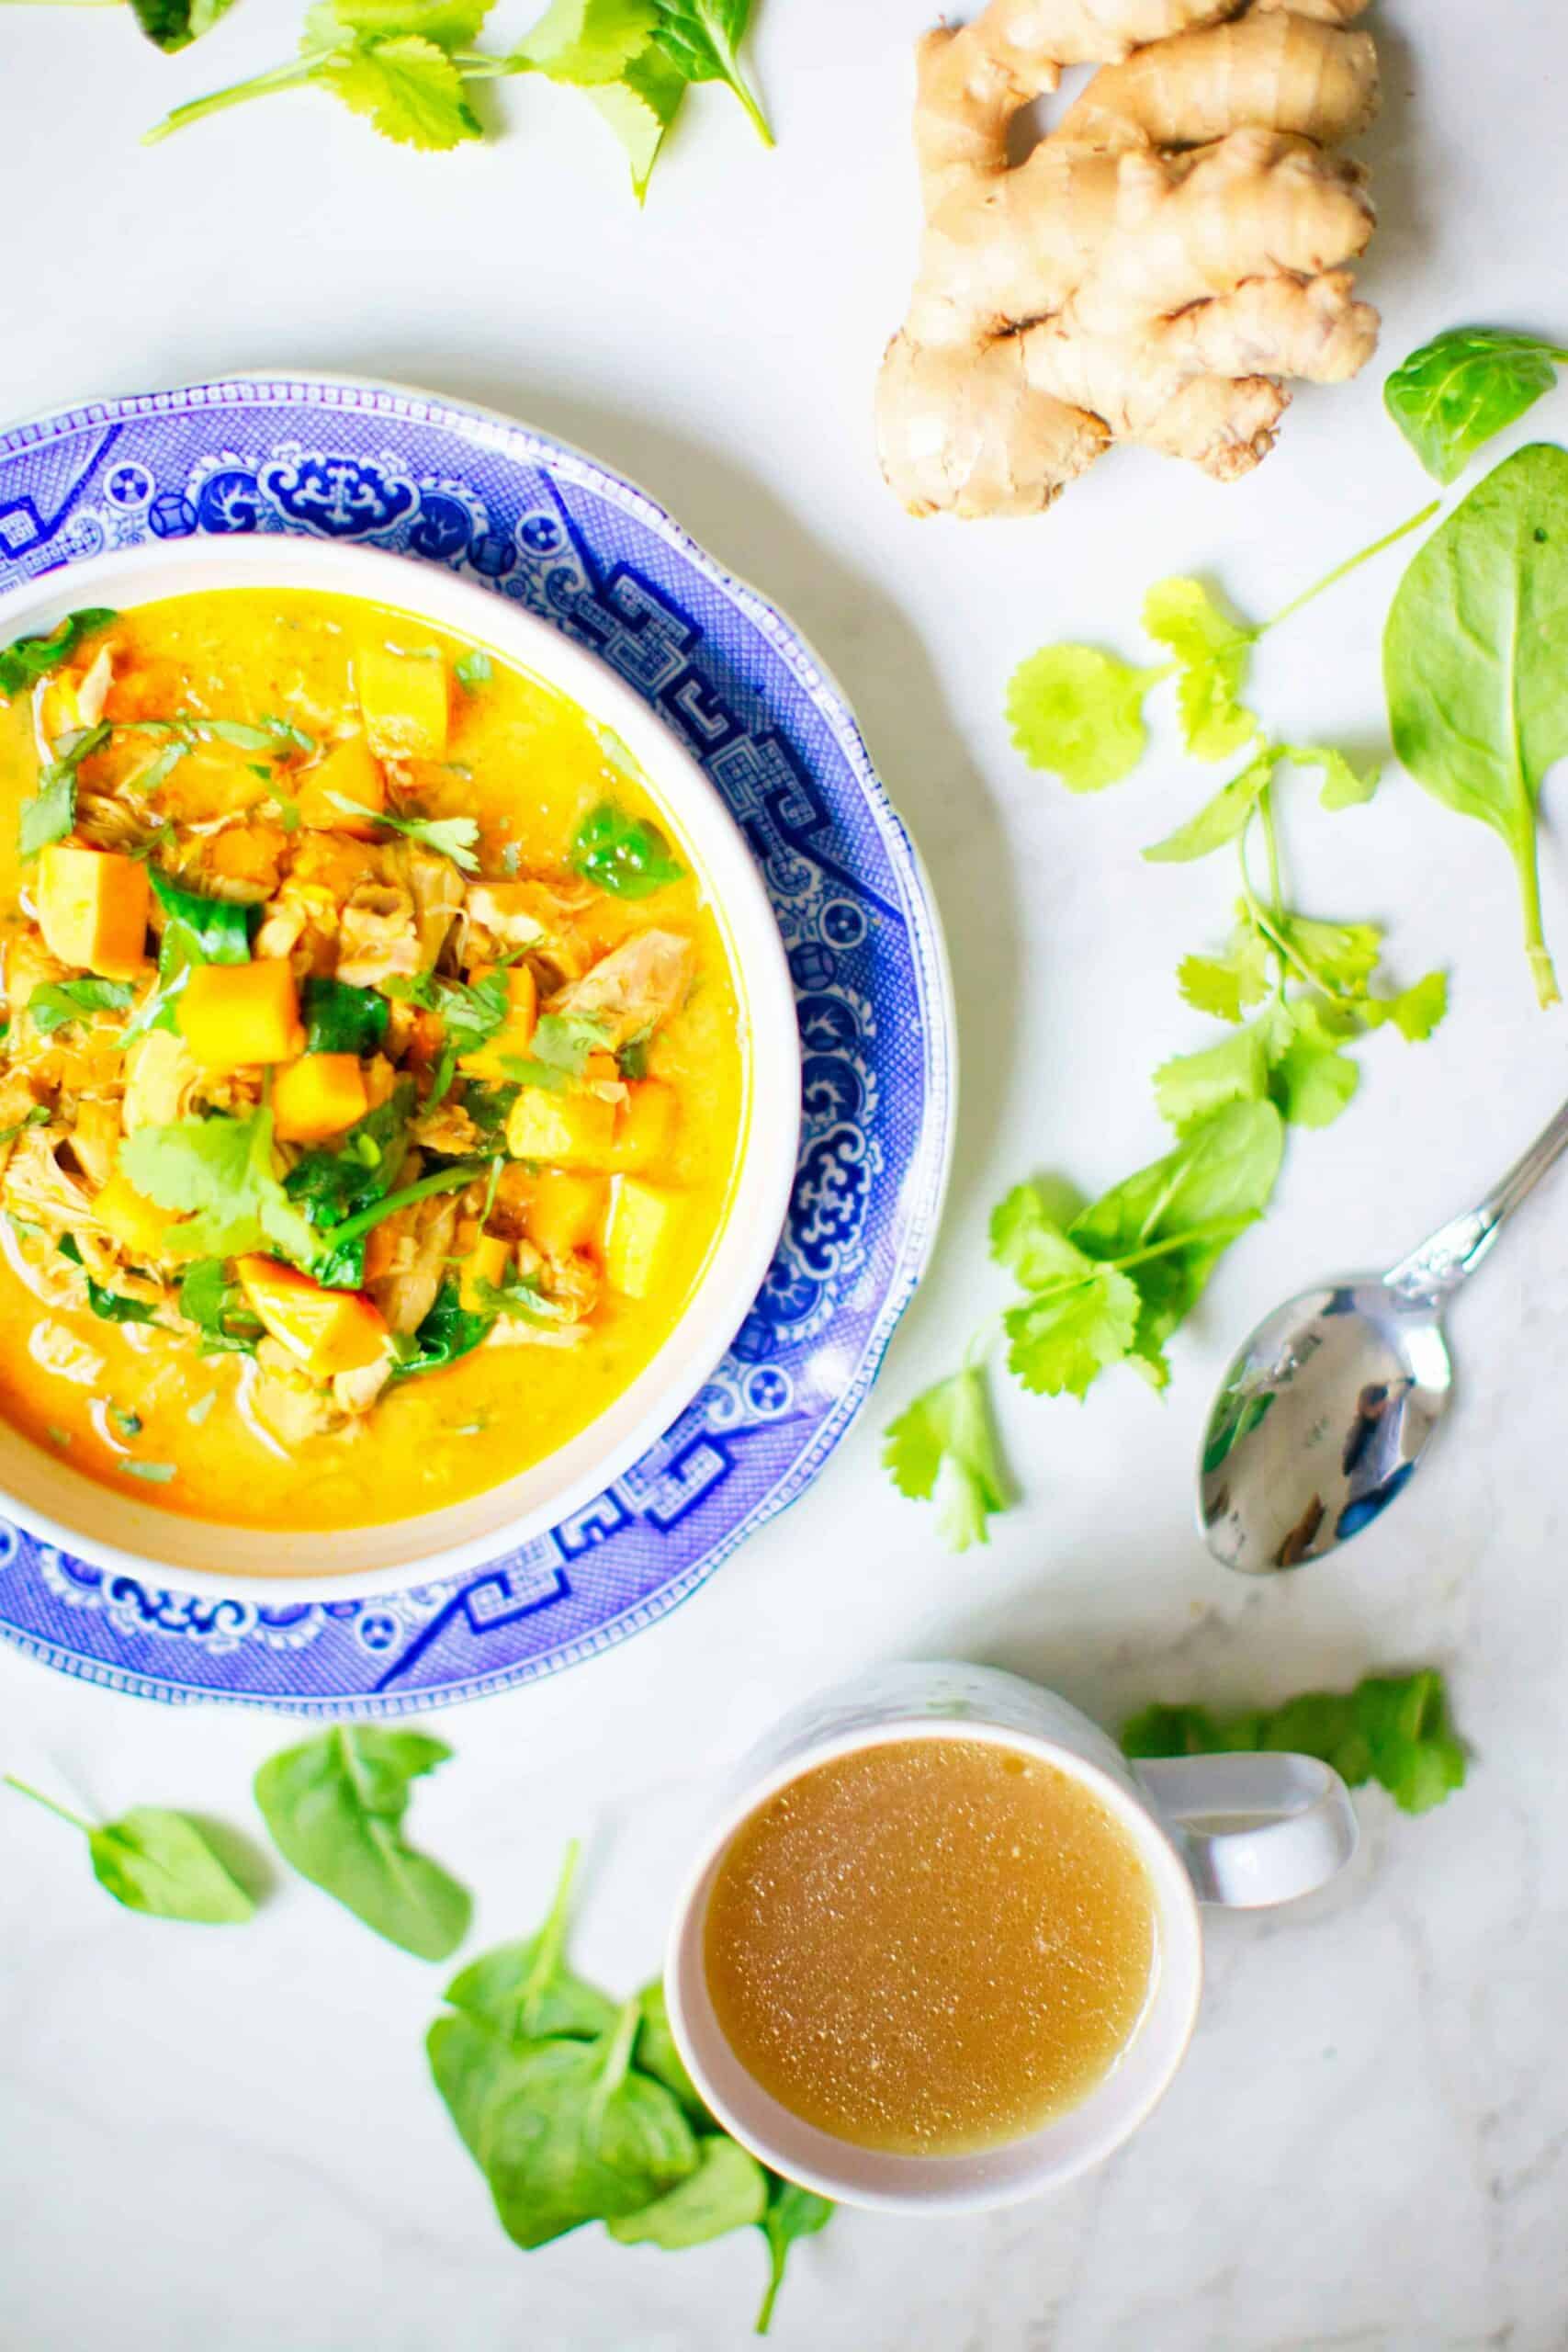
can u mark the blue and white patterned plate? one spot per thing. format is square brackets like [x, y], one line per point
[532, 519]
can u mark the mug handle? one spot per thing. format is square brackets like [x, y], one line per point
[1253, 1828]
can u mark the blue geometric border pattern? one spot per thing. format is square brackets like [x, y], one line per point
[532, 520]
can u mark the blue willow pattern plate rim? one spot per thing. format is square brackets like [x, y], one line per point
[917, 1212]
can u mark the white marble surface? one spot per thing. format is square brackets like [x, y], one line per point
[227, 2142]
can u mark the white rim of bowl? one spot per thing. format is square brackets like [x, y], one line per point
[749, 1235]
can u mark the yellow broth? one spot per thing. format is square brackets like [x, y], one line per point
[527, 764]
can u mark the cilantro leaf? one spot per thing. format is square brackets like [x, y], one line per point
[55, 1004]
[28, 659]
[1391, 1728]
[588, 42]
[1224, 819]
[1211, 651]
[450, 24]
[218, 1309]
[1311, 1080]
[639, 109]
[407, 88]
[1079, 714]
[1226, 985]
[1338, 957]
[1417, 1011]
[1062, 1338]
[942, 1449]
[220, 1172]
[454, 837]
[1343, 786]
[1192, 1087]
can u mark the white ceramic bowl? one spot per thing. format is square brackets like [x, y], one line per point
[119, 1532]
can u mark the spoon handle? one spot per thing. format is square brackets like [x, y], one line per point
[1445, 1258]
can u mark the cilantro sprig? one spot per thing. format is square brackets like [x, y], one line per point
[1111, 1284]
[408, 66]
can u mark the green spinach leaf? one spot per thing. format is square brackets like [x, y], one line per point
[1450, 397]
[526, 1992]
[335, 1808]
[28, 659]
[727, 2192]
[218, 1309]
[55, 1004]
[792, 2213]
[622, 853]
[158, 1862]
[1475, 663]
[340, 1019]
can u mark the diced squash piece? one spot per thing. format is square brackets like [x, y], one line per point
[318, 1096]
[645, 1128]
[403, 699]
[92, 908]
[566, 1212]
[349, 768]
[137, 1224]
[637, 1237]
[231, 1014]
[561, 1130]
[485, 1262]
[515, 1036]
[326, 1331]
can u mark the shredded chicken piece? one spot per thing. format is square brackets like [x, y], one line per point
[37, 1188]
[634, 987]
[355, 1392]
[301, 923]
[437, 888]
[286, 1402]
[421, 1244]
[447, 1129]
[112, 820]
[161, 1078]
[380, 938]
[94, 1139]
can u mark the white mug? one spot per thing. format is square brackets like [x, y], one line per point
[1245, 1830]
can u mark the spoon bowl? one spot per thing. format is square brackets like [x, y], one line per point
[1320, 1421]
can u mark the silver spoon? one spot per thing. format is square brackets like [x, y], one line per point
[1324, 1415]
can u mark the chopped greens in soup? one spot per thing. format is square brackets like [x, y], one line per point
[371, 1088]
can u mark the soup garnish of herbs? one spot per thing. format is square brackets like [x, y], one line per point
[372, 1084]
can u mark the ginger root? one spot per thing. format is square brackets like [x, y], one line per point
[1165, 253]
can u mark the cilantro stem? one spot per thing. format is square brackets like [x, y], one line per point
[292, 76]
[444, 1180]
[49, 1805]
[1352, 564]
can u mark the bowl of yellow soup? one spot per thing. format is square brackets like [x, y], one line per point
[400, 1089]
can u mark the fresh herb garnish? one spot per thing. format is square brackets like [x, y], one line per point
[195, 931]
[55, 1004]
[406, 65]
[155, 1473]
[1472, 663]
[562, 1043]
[473, 671]
[1450, 397]
[623, 854]
[156, 1863]
[341, 1019]
[335, 1806]
[50, 814]
[453, 837]
[1391, 1728]
[220, 1171]
[218, 1309]
[110, 1306]
[448, 1331]
[38, 1116]
[28, 659]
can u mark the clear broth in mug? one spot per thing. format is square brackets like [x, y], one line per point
[931, 1946]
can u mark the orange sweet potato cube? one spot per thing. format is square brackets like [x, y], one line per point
[318, 1096]
[515, 1036]
[92, 908]
[350, 769]
[565, 1212]
[326, 1331]
[231, 1014]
